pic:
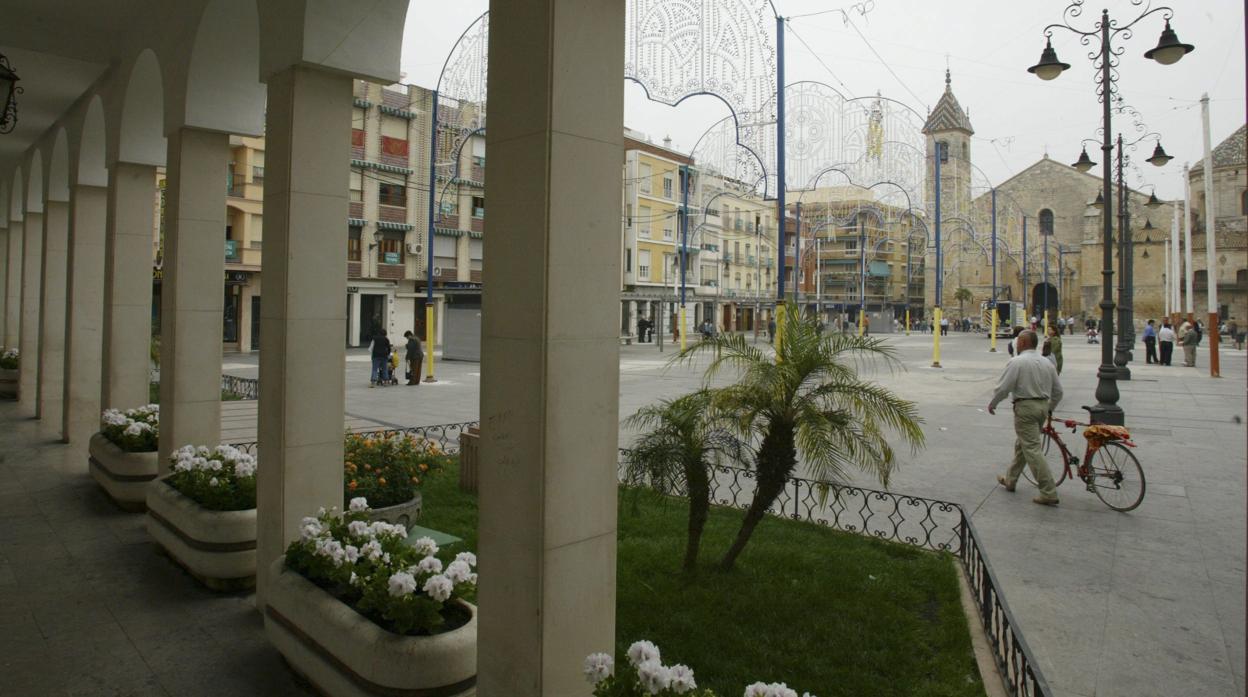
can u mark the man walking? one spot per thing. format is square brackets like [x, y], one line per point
[414, 357]
[1165, 342]
[1150, 343]
[1033, 381]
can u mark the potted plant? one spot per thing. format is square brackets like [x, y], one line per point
[387, 470]
[646, 676]
[204, 515]
[357, 610]
[9, 363]
[122, 455]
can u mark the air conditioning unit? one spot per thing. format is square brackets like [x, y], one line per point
[414, 248]
[437, 271]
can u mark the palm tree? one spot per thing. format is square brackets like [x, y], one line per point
[681, 439]
[962, 295]
[809, 400]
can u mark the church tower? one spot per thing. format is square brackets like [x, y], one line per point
[948, 130]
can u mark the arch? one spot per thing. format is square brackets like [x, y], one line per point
[34, 184]
[58, 168]
[142, 127]
[223, 90]
[1046, 221]
[1038, 295]
[91, 147]
[15, 195]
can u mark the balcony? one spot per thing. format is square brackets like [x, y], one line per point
[235, 185]
[232, 252]
[727, 256]
[392, 214]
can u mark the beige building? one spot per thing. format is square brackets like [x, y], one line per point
[1230, 186]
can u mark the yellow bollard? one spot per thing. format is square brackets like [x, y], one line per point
[779, 337]
[907, 321]
[682, 328]
[936, 338]
[994, 330]
[861, 316]
[429, 343]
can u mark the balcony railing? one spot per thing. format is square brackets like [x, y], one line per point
[231, 251]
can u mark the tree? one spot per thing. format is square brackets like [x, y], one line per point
[681, 439]
[962, 295]
[810, 400]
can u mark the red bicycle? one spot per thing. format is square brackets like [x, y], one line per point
[1108, 469]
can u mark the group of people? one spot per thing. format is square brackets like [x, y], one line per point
[385, 357]
[1050, 348]
[1189, 336]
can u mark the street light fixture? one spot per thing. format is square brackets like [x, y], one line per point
[1159, 158]
[1106, 62]
[1099, 202]
[1152, 201]
[1084, 163]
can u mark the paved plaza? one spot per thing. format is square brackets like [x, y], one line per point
[1145, 603]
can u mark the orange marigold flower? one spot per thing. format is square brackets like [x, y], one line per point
[382, 481]
[424, 467]
[352, 485]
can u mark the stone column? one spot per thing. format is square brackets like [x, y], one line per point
[85, 310]
[55, 256]
[32, 265]
[353, 326]
[302, 317]
[4, 275]
[550, 355]
[126, 344]
[192, 292]
[13, 285]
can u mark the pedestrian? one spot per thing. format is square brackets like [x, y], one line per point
[1150, 343]
[771, 330]
[1189, 341]
[380, 355]
[1054, 342]
[1165, 342]
[1036, 390]
[1012, 346]
[1061, 324]
[944, 326]
[866, 325]
[415, 357]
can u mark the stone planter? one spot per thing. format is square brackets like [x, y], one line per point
[404, 514]
[344, 654]
[217, 547]
[469, 459]
[8, 383]
[123, 475]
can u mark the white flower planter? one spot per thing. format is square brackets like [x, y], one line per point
[344, 654]
[217, 547]
[8, 383]
[404, 514]
[123, 475]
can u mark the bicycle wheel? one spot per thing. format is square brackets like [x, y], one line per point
[1052, 456]
[1116, 477]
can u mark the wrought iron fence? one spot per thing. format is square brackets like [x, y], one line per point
[931, 524]
[446, 436]
[243, 388]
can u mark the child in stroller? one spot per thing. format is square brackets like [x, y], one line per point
[392, 367]
[1093, 337]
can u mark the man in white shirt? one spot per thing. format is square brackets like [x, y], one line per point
[1165, 342]
[1037, 390]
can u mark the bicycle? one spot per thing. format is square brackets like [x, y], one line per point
[1109, 469]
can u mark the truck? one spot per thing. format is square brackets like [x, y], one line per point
[1009, 315]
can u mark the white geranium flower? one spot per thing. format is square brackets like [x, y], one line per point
[399, 530]
[467, 557]
[359, 528]
[203, 451]
[458, 571]
[371, 550]
[213, 482]
[439, 588]
[133, 429]
[358, 504]
[183, 452]
[310, 528]
[355, 580]
[425, 546]
[401, 584]
[245, 467]
[351, 553]
[430, 565]
[682, 679]
[654, 677]
[331, 549]
[598, 667]
[642, 652]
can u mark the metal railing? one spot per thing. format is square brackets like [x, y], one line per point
[243, 388]
[446, 436]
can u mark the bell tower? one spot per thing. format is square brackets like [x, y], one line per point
[948, 130]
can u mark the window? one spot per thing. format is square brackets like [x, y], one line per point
[393, 127]
[1243, 202]
[392, 194]
[643, 263]
[667, 187]
[667, 229]
[628, 260]
[643, 218]
[391, 249]
[942, 151]
[643, 178]
[357, 185]
[628, 215]
[478, 206]
[1046, 222]
[669, 265]
[353, 243]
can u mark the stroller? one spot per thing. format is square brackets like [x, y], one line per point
[1093, 337]
[392, 366]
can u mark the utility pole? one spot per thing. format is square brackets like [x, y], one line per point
[1175, 271]
[1211, 259]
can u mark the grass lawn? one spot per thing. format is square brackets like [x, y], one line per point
[827, 612]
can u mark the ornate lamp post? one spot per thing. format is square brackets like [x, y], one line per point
[8, 91]
[1105, 60]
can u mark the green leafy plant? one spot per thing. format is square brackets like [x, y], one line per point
[10, 359]
[645, 676]
[387, 469]
[133, 430]
[220, 479]
[681, 439]
[405, 588]
[962, 295]
[810, 399]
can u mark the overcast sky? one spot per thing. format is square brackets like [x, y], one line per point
[988, 44]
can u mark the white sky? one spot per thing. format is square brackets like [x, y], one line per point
[988, 45]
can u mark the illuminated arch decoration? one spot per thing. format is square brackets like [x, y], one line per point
[461, 106]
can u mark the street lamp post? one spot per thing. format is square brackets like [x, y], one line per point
[1168, 50]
